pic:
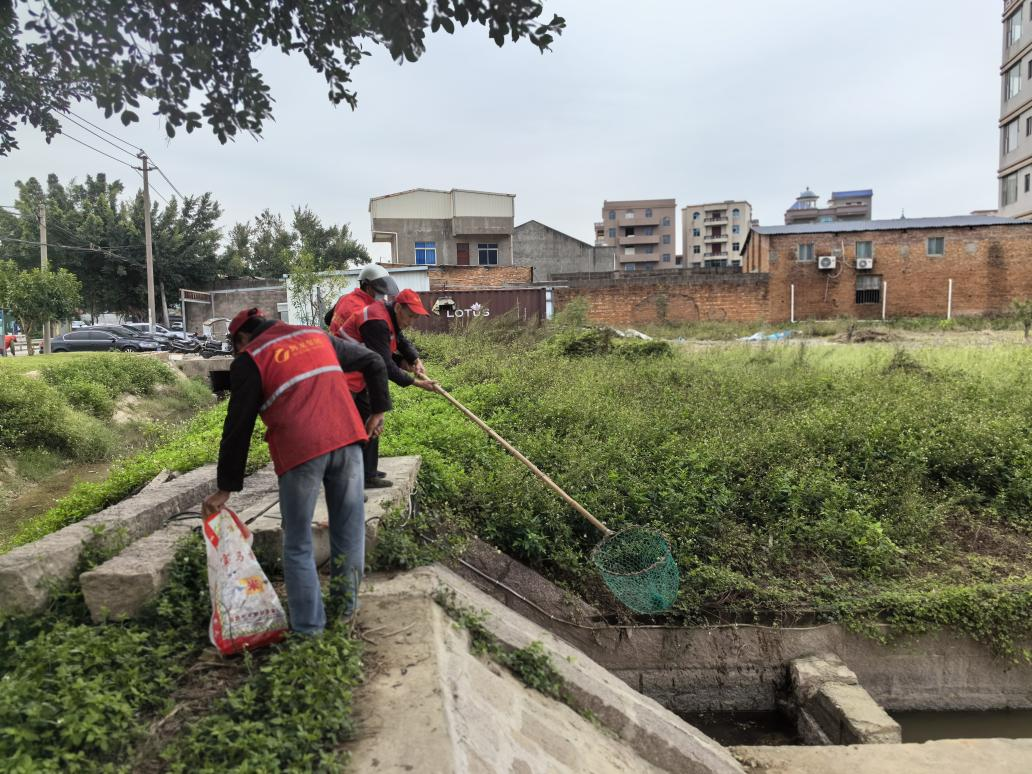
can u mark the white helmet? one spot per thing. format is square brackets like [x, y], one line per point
[378, 280]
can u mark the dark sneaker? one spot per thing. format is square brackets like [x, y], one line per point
[379, 474]
[378, 483]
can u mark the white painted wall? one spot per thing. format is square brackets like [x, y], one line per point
[337, 283]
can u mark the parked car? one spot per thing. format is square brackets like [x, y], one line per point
[97, 340]
[130, 333]
[145, 329]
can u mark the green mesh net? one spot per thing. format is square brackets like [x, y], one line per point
[638, 568]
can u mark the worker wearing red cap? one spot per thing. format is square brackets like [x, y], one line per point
[293, 376]
[379, 326]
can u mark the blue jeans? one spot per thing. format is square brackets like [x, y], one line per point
[340, 472]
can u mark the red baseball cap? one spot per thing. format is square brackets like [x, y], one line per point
[242, 317]
[409, 298]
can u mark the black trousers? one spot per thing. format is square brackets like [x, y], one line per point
[371, 449]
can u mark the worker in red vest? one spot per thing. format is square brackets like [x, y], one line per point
[294, 378]
[379, 326]
[374, 284]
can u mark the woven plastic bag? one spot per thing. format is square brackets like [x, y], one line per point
[245, 610]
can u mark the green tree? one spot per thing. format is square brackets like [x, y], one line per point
[103, 231]
[201, 54]
[270, 249]
[312, 291]
[38, 295]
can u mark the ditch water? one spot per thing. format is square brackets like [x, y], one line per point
[992, 724]
[40, 497]
[745, 728]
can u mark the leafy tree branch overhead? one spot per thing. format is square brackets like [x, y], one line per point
[115, 53]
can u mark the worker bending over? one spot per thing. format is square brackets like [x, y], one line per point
[293, 377]
[379, 326]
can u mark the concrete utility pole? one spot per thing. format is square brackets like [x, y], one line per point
[43, 266]
[147, 240]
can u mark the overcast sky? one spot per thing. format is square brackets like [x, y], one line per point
[691, 99]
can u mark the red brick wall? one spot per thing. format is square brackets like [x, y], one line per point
[735, 297]
[455, 277]
[989, 265]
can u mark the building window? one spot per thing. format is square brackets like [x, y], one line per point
[628, 251]
[696, 232]
[1010, 137]
[666, 257]
[937, 246]
[865, 249]
[649, 249]
[736, 246]
[736, 229]
[868, 289]
[696, 249]
[805, 252]
[1014, 29]
[666, 220]
[629, 267]
[695, 216]
[612, 214]
[648, 230]
[488, 253]
[1028, 123]
[1013, 85]
[1030, 68]
[735, 213]
[648, 212]
[1028, 183]
[1009, 189]
[612, 233]
[426, 253]
[666, 239]
[629, 215]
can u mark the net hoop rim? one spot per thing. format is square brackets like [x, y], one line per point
[668, 555]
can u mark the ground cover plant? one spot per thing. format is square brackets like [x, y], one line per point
[823, 482]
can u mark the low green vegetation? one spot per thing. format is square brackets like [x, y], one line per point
[181, 448]
[859, 484]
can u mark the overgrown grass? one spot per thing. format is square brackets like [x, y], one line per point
[793, 481]
[181, 449]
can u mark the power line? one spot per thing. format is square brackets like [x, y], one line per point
[165, 177]
[134, 149]
[102, 153]
[155, 190]
[98, 136]
[70, 247]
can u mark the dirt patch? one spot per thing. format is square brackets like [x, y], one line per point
[127, 409]
[208, 679]
[35, 498]
[865, 335]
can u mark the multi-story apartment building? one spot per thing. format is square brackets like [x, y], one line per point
[843, 205]
[1015, 172]
[713, 234]
[457, 227]
[643, 231]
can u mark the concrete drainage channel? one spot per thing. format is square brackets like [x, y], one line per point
[809, 686]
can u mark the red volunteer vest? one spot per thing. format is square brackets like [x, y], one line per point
[306, 404]
[353, 328]
[346, 306]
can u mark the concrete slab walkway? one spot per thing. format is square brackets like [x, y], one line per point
[953, 756]
[431, 706]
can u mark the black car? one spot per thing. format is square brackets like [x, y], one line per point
[131, 333]
[98, 340]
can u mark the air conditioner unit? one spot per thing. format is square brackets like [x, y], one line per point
[864, 264]
[826, 262]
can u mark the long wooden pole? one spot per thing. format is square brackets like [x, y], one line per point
[533, 468]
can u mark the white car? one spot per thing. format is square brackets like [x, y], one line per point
[145, 328]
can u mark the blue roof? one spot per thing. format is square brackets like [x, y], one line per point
[844, 226]
[851, 194]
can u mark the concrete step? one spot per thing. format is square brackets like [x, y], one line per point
[28, 574]
[121, 587]
[429, 705]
